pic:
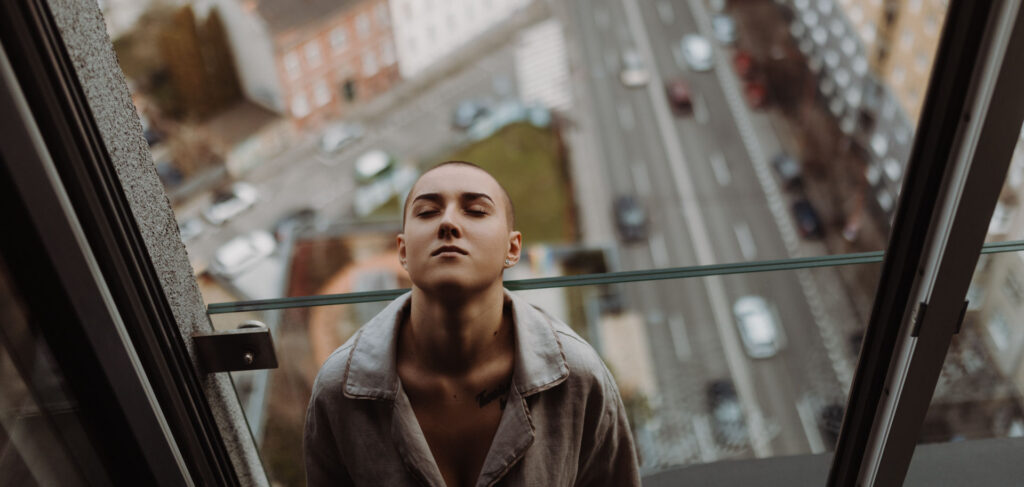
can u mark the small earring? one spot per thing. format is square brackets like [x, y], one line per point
[508, 262]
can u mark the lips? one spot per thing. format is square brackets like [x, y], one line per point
[448, 248]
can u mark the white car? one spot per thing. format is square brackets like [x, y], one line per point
[758, 326]
[242, 252]
[339, 135]
[724, 28]
[190, 229]
[634, 74]
[228, 204]
[372, 164]
[697, 52]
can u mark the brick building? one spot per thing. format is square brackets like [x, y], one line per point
[309, 59]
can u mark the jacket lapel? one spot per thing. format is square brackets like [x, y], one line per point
[412, 444]
[515, 434]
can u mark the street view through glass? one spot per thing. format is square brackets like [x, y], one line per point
[630, 134]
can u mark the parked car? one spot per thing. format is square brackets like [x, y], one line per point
[756, 93]
[230, 202]
[631, 218]
[788, 170]
[293, 221]
[242, 252]
[634, 73]
[724, 28]
[373, 164]
[728, 424]
[807, 220]
[830, 421]
[679, 96]
[337, 136]
[758, 325]
[190, 228]
[697, 52]
[467, 112]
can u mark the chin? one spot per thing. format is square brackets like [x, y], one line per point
[452, 285]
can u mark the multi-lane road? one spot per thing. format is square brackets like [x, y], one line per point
[711, 199]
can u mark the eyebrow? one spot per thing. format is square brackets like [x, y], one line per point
[467, 196]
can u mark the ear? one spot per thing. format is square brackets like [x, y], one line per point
[515, 247]
[400, 239]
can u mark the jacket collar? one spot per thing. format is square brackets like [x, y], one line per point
[371, 372]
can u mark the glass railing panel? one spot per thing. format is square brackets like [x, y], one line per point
[695, 391]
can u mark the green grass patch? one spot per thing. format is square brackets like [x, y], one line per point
[526, 161]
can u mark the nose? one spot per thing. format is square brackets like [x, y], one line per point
[448, 227]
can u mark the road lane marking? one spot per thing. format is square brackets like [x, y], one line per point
[680, 340]
[611, 61]
[640, 178]
[803, 408]
[721, 169]
[665, 13]
[705, 440]
[703, 249]
[659, 253]
[746, 240]
[626, 119]
[700, 110]
[730, 87]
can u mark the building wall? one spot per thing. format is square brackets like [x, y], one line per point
[999, 280]
[314, 63]
[427, 30]
[912, 50]
[253, 52]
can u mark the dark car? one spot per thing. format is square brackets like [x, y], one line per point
[631, 218]
[679, 96]
[830, 420]
[293, 222]
[727, 420]
[788, 169]
[807, 220]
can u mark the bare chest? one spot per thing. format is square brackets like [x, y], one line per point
[459, 428]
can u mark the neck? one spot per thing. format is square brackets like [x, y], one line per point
[455, 337]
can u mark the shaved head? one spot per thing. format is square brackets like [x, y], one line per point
[510, 214]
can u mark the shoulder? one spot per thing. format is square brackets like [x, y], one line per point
[585, 364]
[331, 377]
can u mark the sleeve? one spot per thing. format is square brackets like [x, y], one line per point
[610, 457]
[324, 465]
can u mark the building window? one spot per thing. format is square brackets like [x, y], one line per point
[868, 31]
[907, 39]
[381, 10]
[998, 330]
[339, 37]
[291, 64]
[321, 94]
[300, 106]
[387, 52]
[884, 200]
[312, 54]
[837, 27]
[922, 61]
[369, 64]
[898, 75]
[362, 25]
[873, 174]
[1012, 288]
[893, 169]
[1001, 218]
[879, 144]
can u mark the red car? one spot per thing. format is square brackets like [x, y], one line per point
[679, 96]
[756, 93]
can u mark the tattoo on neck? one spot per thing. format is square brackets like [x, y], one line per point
[501, 392]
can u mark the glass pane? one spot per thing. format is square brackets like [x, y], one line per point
[980, 393]
[696, 388]
[42, 437]
[608, 123]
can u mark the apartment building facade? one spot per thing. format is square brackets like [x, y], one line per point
[428, 30]
[873, 59]
[309, 63]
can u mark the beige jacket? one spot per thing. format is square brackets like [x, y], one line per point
[564, 424]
